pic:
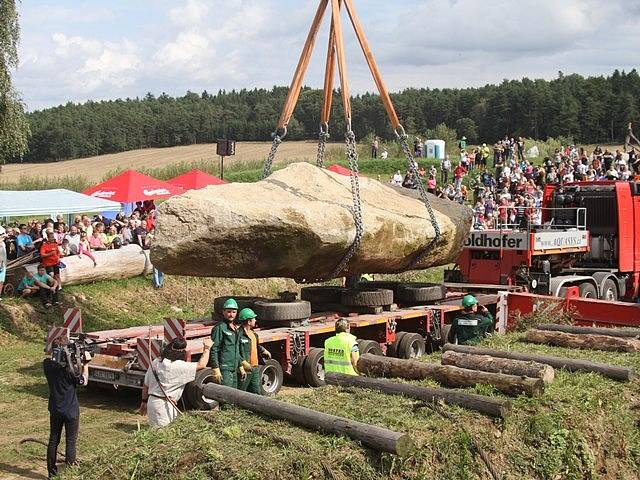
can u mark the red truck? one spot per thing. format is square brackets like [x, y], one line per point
[588, 237]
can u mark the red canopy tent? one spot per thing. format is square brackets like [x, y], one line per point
[195, 180]
[340, 170]
[131, 186]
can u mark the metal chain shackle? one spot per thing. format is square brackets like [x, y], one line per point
[322, 145]
[277, 140]
[352, 155]
[402, 138]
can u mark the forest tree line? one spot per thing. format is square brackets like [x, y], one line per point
[589, 110]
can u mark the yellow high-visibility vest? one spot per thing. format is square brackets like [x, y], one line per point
[337, 353]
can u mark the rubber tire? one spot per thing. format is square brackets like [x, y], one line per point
[587, 290]
[369, 346]
[193, 391]
[445, 334]
[243, 302]
[409, 344]
[392, 348]
[374, 297]
[421, 292]
[322, 294]
[297, 372]
[8, 290]
[313, 367]
[272, 368]
[385, 285]
[607, 285]
[273, 310]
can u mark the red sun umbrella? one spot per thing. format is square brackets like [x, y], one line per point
[195, 180]
[131, 186]
[340, 170]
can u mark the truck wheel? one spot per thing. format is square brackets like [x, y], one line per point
[445, 334]
[588, 291]
[369, 346]
[421, 292]
[372, 297]
[297, 372]
[272, 310]
[392, 348]
[243, 302]
[271, 378]
[313, 367]
[322, 294]
[385, 285]
[193, 391]
[411, 346]
[609, 291]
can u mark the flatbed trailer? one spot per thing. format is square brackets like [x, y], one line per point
[119, 363]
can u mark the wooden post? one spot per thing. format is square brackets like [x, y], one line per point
[487, 363]
[374, 437]
[377, 366]
[611, 332]
[593, 342]
[572, 365]
[494, 407]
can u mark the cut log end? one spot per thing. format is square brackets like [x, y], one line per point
[405, 445]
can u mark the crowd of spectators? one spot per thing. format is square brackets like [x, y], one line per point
[49, 241]
[505, 188]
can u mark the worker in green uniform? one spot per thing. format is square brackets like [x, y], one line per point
[473, 324]
[252, 350]
[341, 352]
[226, 353]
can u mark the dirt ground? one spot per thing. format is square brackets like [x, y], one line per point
[95, 168]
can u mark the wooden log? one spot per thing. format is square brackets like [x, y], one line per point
[495, 407]
[611, 332]
[570, 364]
[487, 363]
[378, 366]
[126, 262]
[377, 438]
[593, 342]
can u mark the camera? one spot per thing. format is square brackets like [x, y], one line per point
[74, 354]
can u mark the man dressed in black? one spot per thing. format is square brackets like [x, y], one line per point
[64, 410]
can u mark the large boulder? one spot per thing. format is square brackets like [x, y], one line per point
[298, 223]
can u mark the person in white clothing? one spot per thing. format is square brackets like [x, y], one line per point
[174, 373]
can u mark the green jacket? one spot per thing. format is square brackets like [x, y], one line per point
[470, 328]
[227, 352]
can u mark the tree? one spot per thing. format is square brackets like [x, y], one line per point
[466, 127]
[14, 129]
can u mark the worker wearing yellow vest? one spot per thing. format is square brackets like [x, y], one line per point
[251, 347]
[341, 352]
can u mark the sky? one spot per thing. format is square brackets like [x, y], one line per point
[78, 50]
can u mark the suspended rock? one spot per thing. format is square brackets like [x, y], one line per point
[298, 223]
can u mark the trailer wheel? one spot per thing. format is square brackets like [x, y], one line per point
[193, 391]
[313, 367]
[271, 378]
[372, 297]
[385, 285]
[411, 346]
[369, 346]
[272, 310]
[609, 291]
[392, 348]
[425, 292]
[587, 290]
[445, 334]
[322, 294]
[297, 371]
[243, 302]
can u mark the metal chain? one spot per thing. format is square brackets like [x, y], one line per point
[352, 155]
[412, 166]
[322, 146]
[277, 140]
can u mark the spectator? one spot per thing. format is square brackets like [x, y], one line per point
[24, 241]
[458, 174]
[3, 259]
[84, 248]
[140, 235]
[27, 286]
[60, 233]
[374, 147]
[96, 242]
[50, 257]
[384, 155]
[431, 184]
[73, 237]
[397, 178]
[445, 168]
[47, 287]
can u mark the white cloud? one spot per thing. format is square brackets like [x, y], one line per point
[191, 12]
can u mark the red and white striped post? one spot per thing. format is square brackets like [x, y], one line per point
[73, 320]
[148, 350]
[173, 328]
[52, 334]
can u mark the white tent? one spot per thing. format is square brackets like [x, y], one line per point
[24, 203]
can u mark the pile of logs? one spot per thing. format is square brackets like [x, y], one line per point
[608, 339]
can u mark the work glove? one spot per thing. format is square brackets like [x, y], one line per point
[217, 375]
[243, 374]
[246, 366]
[266, 354]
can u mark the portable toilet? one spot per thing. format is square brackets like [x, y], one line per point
[435, 149]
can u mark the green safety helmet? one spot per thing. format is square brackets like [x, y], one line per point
[230, 304]
[246, 314]
[469, 301]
